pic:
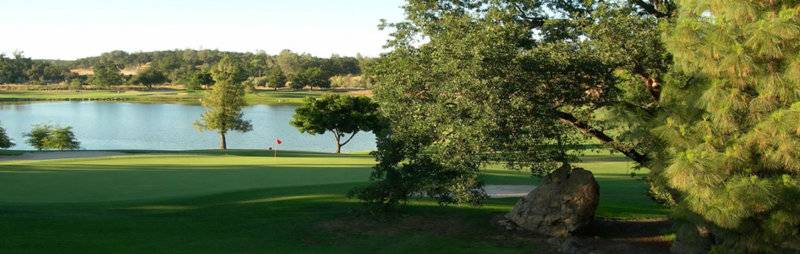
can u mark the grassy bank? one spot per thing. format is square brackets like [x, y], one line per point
[245, 202]
[156, 96]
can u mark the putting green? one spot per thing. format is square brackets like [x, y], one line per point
[160, 176]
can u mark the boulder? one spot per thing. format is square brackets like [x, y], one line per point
[564, 203]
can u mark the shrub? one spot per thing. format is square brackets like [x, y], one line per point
[5, 142]
[48, 137]
[75, 84]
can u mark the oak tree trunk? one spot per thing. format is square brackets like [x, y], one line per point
[223, 144]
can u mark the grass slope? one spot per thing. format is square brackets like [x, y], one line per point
[241, 202]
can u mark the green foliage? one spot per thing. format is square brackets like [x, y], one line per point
[197, 79]
[224, 102]
[49, 137]
[252, 82]
[734, 141]
[149, 77]
[275, 78]
[75, 84]
[21, 69]
[313, 77]
[339, 114]
[5, 142]
[348, 81]
[106, 75]
[495, 82]
[179, 65]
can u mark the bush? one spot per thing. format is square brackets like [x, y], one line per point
[75, 84]
[48, 137]
[5, 142]
[196, 80]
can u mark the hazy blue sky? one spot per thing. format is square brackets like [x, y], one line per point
[62, 29]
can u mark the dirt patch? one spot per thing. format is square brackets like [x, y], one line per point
[58, 155]
[607, 236]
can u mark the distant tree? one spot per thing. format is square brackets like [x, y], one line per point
[12, 70]
[312, 77]
[5, 142]
[21, 69]
[106, 74]
[316, 78]
[253, 82]
[75, 84]
[290, 63]
[275, 78]
[149, 77]
[48, 137]
[197, 79]
[224, 102]
[297, 81]
[338, 114]
[348, 81]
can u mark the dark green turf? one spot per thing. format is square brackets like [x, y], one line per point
[240, 202]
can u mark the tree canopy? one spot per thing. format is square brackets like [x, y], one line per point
[340, 115]
[224, 102]
[106, 74]
[469, 82]
[149, 77]
[20, 69]
[50, 137]
[733, 137]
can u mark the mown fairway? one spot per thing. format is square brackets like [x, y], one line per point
[246, 202]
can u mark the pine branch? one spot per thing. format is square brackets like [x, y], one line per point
[587, 129]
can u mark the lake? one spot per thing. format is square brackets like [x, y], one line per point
[133, 126]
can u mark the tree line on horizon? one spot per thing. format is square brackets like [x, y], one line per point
[190, 68]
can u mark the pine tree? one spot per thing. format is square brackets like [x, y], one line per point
[734, 135]
[225, 101]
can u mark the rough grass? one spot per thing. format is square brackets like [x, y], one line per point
[155, 96]
[241, 202]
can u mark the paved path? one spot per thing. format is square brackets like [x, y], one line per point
[508, 191]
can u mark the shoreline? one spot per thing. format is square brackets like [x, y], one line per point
[258, 97]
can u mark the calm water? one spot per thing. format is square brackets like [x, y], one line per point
[131, 126]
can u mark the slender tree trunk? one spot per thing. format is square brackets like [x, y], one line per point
[338, 142]
[223, 144]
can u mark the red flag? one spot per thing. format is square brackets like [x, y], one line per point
[278, 141]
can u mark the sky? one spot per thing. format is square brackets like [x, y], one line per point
[71, 29]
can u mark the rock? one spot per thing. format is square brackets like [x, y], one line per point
[564, 203]
[507, 224]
